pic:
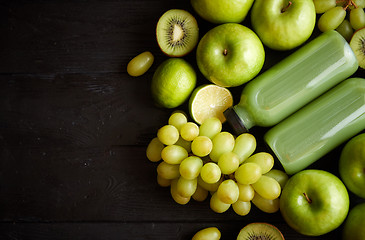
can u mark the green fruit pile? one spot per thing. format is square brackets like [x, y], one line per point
[196, 160]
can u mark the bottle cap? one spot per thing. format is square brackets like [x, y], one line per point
[234, 120]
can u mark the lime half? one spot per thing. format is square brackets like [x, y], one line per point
[209, 101]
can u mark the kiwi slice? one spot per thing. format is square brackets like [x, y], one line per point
[357, 43]
[260, 231]
[177, 32]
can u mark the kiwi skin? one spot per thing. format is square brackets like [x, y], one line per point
[260, 230]
[357, 43]
[177, 33]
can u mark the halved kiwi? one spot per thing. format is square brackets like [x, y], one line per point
[262, 231]
[357, 43]
[177, 32]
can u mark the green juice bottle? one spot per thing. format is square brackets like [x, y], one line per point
[320, 126]
[293, 82]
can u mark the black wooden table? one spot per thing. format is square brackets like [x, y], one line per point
[74, 127]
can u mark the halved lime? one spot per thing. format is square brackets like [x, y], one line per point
[208, 101]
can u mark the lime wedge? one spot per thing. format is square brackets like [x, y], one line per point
[208, 101]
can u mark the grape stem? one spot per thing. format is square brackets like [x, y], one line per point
[286, 8]
[347, 3]
[308, 199]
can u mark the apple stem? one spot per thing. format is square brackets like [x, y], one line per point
[308, 199]
[286, 8]
[225, 52]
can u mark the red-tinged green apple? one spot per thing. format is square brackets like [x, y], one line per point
[222, 11]
[352, 165]
[283, 24]
[314, 202]
[354, 227]
[230, 55]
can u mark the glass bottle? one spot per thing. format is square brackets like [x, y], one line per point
[293, 82]
[320, 126]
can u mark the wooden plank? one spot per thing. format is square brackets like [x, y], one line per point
[78, 109]
[77, 36]
[120, 231]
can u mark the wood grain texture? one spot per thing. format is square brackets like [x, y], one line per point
[74, 127]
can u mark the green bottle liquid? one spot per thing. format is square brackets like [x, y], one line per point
[295, 81]
[320, 126]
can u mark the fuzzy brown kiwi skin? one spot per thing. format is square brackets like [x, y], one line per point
[165, 53]
[360, 29]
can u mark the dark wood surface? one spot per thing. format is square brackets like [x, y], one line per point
[74, 127]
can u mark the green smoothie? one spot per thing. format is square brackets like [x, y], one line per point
[292, 83]
[320, 126]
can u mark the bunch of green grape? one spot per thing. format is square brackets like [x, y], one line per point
[345, 16]
[201, 161]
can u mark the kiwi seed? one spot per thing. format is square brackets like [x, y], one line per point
[177, 32]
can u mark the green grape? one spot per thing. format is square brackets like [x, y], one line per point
[200, 194]
[154, 149]
[246, 192]
[353, 4]
[267, 187]
[201, 146]
[210, 233]
[217, 205]
[263, 159]
[177, 119]
[168, 171]
[345, 29]
[228, 162]
[140, 64]
[189, 131]
[322, 6]
[245, 145]
[210, 127]
[266, 205]
[280, 176]
[222, 142]
[175, 195]
[357, 18]
[228, 191]
[190, 167]
[248, 173]
[174, 154]
[210, 172]
[212, 187]
[241, 208]
[359, 3]
[331, 19]
[186, 187]
[163, 182]
[183, 143]
[168, 134]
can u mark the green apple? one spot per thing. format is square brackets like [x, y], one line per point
[283, 24]
[222, 11]
[352, 165]
[314, 202]
[230, 55]
[354, 227]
